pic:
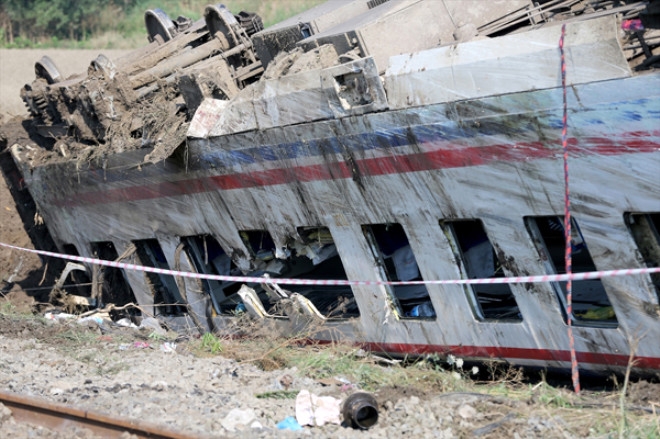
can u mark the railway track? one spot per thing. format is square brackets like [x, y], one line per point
[60, 417]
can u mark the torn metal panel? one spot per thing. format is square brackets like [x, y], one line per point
[350, 89]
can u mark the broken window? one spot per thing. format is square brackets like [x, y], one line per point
[397, 262]
[261, 244]
[477, 259]
[115, 288]
[353, 90]
[316, 258]
[645, 229]
[210, 258]
[313, 256]
[167, 298]
[591, 306]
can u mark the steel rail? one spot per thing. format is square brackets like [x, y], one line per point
[54, 416]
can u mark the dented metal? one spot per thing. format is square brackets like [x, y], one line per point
[407, 140]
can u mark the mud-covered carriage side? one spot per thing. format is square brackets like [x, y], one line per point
[364, 140]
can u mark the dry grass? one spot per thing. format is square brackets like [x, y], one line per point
[593, 413]
[612, 413]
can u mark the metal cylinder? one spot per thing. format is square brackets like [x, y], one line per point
[360, 410]
[181, 60]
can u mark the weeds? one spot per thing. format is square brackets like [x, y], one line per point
[593, 414]
[7, 309]
[553, 397]
[157, 337]
[78, 337]
[211, 344]
[86, 357]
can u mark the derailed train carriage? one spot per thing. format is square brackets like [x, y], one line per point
[372, 141]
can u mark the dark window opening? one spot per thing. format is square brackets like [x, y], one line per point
[262, 248]
[115, 288]
[353, 90]
[645, 229]
[167, 299]
[210, 258]
[260, 243]
[478, 260]
[591, 306]
[314, 256]
[397, 262]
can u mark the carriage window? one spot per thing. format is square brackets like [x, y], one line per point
[315, 256]
[115, 288]
[167, 298]
[312, 255]
[397, 262]
[591, 306]
[477, 259]
[645, 229]
[260, 243]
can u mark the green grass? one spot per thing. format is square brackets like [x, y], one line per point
[211, 344]
[592, 414]
[7, 309]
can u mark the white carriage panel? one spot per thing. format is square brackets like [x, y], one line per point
[359, 264]
[137, 280]
[195, 296]
[509, 64]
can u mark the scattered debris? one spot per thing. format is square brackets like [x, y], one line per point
[289, 423]
[360, 410]
[238, 419]
[317, 410]
[168, 347]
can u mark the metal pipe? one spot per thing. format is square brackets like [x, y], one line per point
[183, 60]
[360, 410]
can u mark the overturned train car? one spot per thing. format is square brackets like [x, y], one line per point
[372, 141]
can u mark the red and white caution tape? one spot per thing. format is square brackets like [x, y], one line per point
[285, 281]
[568, 253]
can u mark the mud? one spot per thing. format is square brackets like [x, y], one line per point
[20, 272]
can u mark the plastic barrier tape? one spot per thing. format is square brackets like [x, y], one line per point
[285, 281]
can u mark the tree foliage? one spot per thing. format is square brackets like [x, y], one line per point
[30, 23]
[39, 20]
